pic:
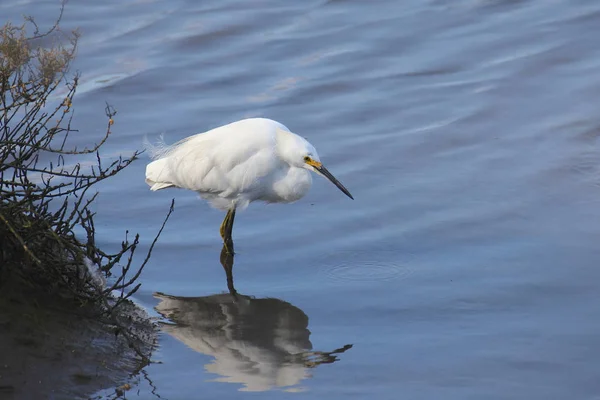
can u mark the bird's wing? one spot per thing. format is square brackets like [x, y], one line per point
[225, 165]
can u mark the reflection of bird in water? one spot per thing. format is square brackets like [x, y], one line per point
[260, 343]
[254, 159]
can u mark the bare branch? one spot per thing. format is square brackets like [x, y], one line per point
[46, 207]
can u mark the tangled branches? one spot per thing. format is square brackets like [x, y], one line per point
[47, 234]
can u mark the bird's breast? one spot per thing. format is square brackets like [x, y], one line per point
[290, 185]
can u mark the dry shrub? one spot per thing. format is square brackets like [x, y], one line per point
[47, 235]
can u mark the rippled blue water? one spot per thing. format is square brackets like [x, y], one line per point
[467, 131]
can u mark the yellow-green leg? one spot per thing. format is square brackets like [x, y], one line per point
[226, 230]
[224, 224]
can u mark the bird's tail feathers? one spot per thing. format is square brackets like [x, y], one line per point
[157, 186]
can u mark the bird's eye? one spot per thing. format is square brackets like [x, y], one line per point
[306, 159]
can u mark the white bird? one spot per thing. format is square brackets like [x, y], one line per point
[254, 159]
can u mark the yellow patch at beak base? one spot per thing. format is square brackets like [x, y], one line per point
[314, 163]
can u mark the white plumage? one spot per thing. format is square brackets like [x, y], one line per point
[254, 159]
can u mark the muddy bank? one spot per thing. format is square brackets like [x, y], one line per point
[55, 351]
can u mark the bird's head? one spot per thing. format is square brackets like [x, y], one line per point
[298, 152]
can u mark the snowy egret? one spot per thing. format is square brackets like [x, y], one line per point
[255, 159]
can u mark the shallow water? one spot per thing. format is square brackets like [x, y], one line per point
[468, 135]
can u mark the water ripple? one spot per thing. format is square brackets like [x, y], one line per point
[367, 266]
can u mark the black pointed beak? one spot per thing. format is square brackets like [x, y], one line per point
[337, 183]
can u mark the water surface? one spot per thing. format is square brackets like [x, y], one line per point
[467, 131]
